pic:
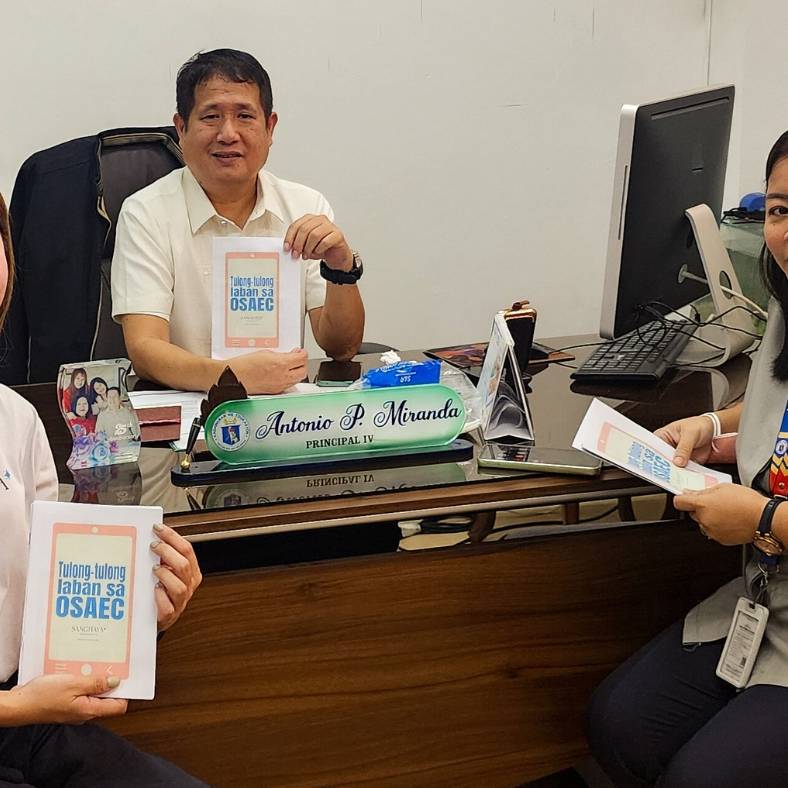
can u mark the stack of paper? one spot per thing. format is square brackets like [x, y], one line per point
[607, 434]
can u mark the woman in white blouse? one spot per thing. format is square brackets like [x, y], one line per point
[42, 739]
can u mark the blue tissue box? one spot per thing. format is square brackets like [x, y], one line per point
[404, 373]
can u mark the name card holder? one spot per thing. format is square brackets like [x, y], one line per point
[306, 433]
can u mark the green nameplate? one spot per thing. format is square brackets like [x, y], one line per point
[336, 423]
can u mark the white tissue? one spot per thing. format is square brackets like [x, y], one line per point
[390, 357]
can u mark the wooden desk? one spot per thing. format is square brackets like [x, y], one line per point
[460, 666]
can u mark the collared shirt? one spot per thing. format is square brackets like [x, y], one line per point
[27, 473]
[162, 264]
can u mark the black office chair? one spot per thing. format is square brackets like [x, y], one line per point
[129, 162]
[63, 209]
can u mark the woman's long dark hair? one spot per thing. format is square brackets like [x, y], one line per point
[774, 277]
[5, 239]
[82, 391]
[92, 396]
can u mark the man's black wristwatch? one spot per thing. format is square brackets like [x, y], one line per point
[343, 277]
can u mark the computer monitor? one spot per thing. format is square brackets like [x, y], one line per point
[671, 156]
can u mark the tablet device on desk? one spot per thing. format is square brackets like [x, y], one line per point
[538, 459]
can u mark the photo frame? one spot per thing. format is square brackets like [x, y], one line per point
[94, 401]
[505, 412]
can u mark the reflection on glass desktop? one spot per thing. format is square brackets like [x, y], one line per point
[671, 156]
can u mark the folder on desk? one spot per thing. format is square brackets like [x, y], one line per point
[188, 403]
[159, 423]
[470, 356]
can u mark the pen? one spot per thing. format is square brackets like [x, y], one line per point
[194, 431]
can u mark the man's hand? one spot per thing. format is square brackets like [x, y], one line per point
[692, 438]
[727, 513]
[267, 372]
[315, 237]
[61, 698]
[178, 574]
[156, 358]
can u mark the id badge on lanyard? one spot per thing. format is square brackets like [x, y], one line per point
[743, 642]
[778, 467]
[751, 614]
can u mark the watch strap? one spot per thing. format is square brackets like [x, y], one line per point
[767, 515]
[767, 546]
[338, 277]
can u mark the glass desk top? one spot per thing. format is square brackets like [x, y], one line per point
[557, 408]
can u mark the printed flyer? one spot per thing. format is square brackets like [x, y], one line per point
[607, 434]
[257, 298]
[89, 601]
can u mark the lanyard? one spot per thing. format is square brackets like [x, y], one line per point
[778, 467]
[778, 485]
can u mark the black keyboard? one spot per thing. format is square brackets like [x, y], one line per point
[644, 355]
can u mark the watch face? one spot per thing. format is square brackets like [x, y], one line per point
[358, 264]
[767, 546]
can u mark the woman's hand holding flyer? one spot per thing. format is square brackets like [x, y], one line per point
[91, 602]
[607, 434]
[178, 575]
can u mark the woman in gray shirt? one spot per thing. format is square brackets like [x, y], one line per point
[665, 717]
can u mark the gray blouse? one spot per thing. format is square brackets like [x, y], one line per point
[764, 405]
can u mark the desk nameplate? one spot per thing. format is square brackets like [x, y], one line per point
[336, 424]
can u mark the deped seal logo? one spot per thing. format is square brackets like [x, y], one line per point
[230, 431]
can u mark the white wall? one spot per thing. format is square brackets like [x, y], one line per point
[748, 48]
[467, 147]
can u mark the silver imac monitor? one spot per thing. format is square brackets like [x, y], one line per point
[671, 156]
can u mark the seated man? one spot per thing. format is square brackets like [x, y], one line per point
[162, 267]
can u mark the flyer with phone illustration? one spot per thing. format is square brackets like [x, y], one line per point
[607, 434]
[256, 297]
[89, 602]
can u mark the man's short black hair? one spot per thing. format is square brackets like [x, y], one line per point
[230, 64]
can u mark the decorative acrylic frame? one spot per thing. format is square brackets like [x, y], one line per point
[505, 411]
[94, 401]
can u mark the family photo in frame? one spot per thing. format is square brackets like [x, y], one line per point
[95, 405]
